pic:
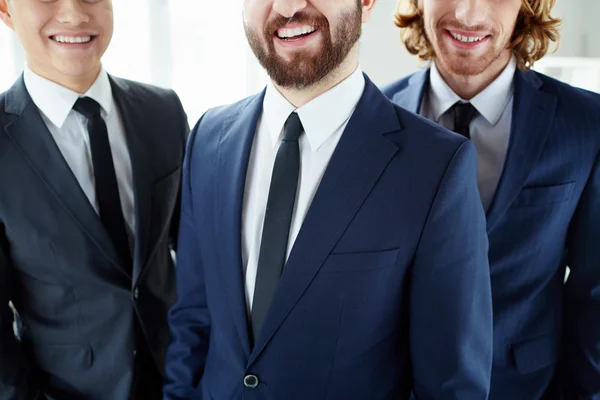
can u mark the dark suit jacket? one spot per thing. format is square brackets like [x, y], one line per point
[545, 216]
[386, 289]
[78, 304]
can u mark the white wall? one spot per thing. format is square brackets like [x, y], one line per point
[591, 14]
[575, 29]
[383, 57]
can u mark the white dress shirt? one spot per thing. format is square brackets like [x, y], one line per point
[69, 130]
[489, 130]
[324, 120]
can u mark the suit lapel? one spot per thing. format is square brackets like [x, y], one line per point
[412, 95]
[30, 134]
[532, 117]
[136, 124]
[235, 145]
[356, 165]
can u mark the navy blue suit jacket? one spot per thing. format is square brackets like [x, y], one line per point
[545, 216]
[386, 289]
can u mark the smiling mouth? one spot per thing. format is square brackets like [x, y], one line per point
[289, 34]
[72, 39]
[466, 39]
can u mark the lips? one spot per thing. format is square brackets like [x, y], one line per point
[295, 33]
[72, 39]
[79, 39]
[302, 24]
[467, 38]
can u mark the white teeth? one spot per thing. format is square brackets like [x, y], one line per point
[72, 39]
[285, 33]
[466, 39]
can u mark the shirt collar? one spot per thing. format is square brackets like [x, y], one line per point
[490, 103]
[56, 101]
[441, 97]
[320, 117]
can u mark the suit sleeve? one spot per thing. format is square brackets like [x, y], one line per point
[189, 319]
[450, 296]
[16, 372]
[184, 130]
[581, 350]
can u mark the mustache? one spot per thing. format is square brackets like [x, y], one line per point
[472, 28]
[279, 21]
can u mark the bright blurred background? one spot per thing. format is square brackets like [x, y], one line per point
[198, 48]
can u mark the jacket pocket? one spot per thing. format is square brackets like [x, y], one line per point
[537, 353]
[544, 195]
[363, 261]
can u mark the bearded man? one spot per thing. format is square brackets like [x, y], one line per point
[332, 244]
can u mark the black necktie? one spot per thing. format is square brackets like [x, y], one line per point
[463, 115]
[278, 217]
[107, 189]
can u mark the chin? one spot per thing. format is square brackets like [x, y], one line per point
[464, 66]
[79, 70]
[466, 69]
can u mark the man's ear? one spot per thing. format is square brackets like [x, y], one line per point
[5, 14]
[367, 9]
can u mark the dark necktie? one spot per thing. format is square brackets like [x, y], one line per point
[463, 115]
[107, 189]
[278, 217]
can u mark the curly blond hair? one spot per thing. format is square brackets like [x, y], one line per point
[534, 30]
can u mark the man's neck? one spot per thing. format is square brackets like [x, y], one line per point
[300, 97]
[468, 87]
[80, 84]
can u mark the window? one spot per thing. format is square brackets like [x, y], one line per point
[182, 44]
[211, 61]
[128, 55]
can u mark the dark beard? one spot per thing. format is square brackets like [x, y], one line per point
[305, 70]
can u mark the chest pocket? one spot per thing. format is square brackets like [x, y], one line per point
[364, 261]
[544, 195]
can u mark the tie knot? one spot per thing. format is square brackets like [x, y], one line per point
[293, 128]
[463, 112]
[88, 107]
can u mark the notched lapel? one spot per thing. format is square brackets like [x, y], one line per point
[137, 123]
[411, 96]
[532, 118]
[31, 136]
[233, 155]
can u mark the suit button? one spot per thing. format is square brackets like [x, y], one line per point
[250, 381]
[136, 293]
